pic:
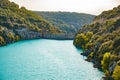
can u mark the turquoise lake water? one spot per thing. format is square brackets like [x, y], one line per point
[45, 60]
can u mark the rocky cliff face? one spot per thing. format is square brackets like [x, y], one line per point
[26, 34]
[60, 36]
[100, 42]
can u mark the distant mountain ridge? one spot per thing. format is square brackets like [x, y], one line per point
[67, 22]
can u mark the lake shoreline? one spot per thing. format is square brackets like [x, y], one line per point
[41, 36]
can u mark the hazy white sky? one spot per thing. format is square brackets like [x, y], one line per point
[81, 6]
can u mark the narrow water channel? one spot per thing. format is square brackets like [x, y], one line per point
[45, 60]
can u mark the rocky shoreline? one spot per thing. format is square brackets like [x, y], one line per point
[25, 34]
[99, 66]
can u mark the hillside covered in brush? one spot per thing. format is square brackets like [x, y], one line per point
[67, 22]
[100, 42]
[19, 23]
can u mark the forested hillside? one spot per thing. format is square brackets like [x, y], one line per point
[100, 42]
[19, 23]
[67, 22]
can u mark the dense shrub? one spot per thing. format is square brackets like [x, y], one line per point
[116, 73]
[105, 61]
[2, 41]
[81, 40]
[116, 42]
[90, 56]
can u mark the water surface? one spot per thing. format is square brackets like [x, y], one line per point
[45, 60]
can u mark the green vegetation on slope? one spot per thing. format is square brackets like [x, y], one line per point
[19, 23]
[103, 47]
[114, 13]
[67, 22]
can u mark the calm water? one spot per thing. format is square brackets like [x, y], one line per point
[45, 60]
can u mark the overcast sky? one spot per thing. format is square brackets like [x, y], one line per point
[81, 6]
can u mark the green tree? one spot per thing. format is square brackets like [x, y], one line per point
[89, 35]
[80, 40]
[105, 61]
[116, 73]
[2, 41]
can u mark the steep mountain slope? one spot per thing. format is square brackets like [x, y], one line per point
[19, 23]
[101, 42]
[67, 22]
